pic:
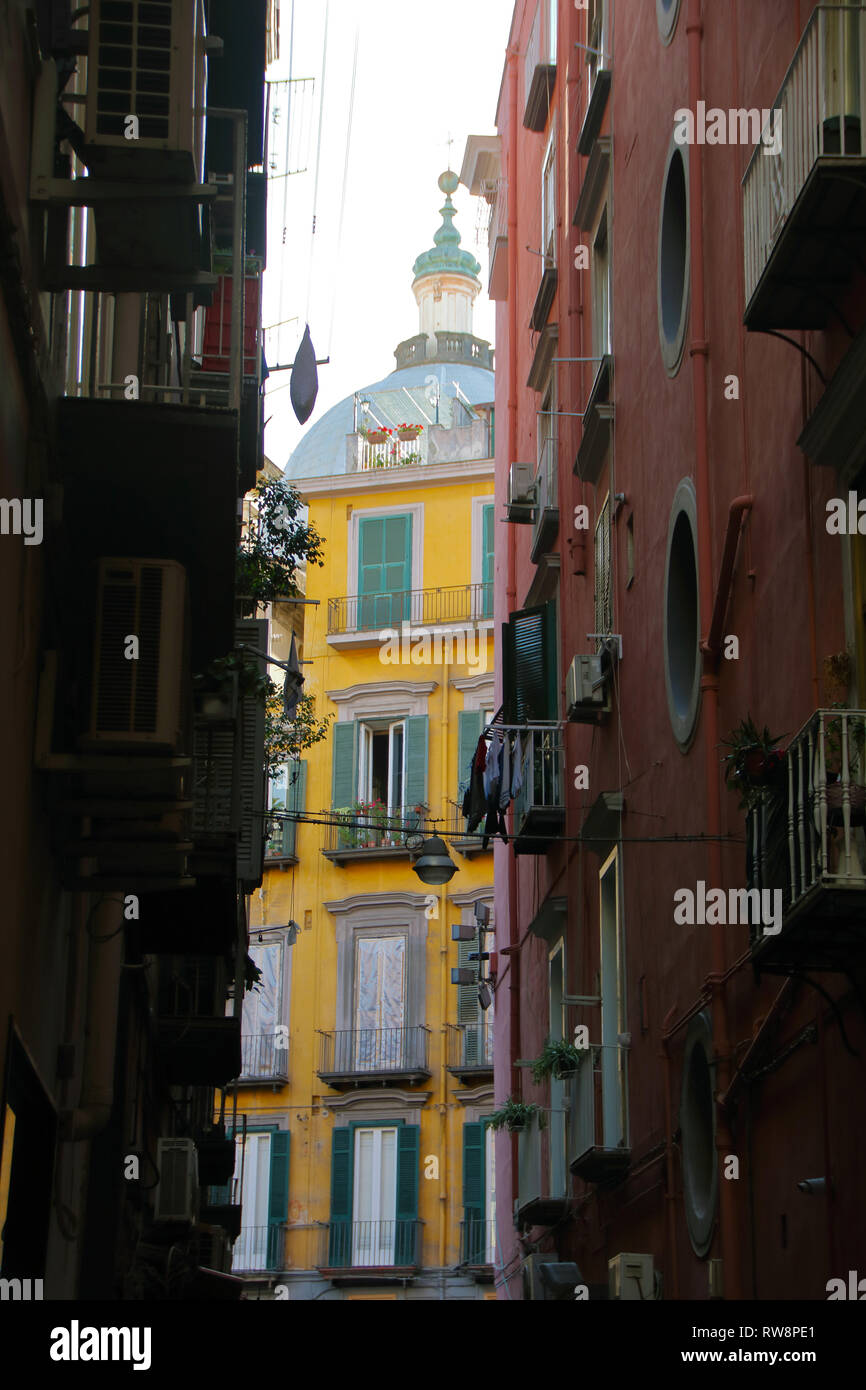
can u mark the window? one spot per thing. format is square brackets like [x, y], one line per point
[488, 529]
[380, 1003]
[384, 571]
[530, 665]
[681, 617]
[548, 205]
[599, 40]
[667, 12]
[374, 1196]
[603, 585]
[557, 1142]
[546, 434]
[261, 1187]
[381, 760]
[470, 725]
[698, 1126]
[673, 261]
[477, 1023]
[479, 1194]
[601, 281]
[263, 1032]
[287, 791]
[613, 1017]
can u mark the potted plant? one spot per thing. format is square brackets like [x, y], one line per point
[406, 432]
[379, 435]
[754, 762]
[559, 1058]
[515, 1115]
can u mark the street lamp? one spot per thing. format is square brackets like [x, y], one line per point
[434, 865]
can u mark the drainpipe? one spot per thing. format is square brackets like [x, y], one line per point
[670, 1172]
[699, 352]
[105, 959]
[443, 1003]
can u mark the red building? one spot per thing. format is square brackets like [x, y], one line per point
[677, 196]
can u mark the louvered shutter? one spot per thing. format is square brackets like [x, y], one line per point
[250, 764]
[417, 726]
[469, 726]
[278, 1197]
[344, 774]
[468, 1008]
[296, 800]
[473, 1192]
[530, 665]
[384, 570]
[340, 1242]
[408, 1151]
[487, 561]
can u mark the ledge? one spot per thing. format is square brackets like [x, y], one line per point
[597, 424]
[594, 182]
[594, 112]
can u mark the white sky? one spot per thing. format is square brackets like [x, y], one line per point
[425, 70]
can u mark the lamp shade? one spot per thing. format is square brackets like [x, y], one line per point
[435, 865]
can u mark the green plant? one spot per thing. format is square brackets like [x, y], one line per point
[754, 761]
[516, 1114]
[558, 1056]
[275, 543]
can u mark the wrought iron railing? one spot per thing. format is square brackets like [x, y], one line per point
[374, 829]
[356, 1051]
[470, 1045]
[808, 829]
[371, 1245]
[601, 1075]
[264, 1056]
[461, 603]
[477, 1242]
[542, 770]
[259, 1248]
[822, 101]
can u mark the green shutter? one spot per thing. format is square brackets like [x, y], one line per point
[296, 800]
[468, 1008]
[384, 570]
[278, 1196]
[474, 1244]
[487, 560]
[342, 1165]
[408, 1162]
[469, 728]
[530, 665]
[344, 780]
[417, 726]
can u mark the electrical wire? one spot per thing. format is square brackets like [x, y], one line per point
[345, 181]
[318, 159]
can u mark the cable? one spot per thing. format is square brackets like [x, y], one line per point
[329, 339]
[318, 160]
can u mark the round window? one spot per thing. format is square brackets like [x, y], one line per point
[698, 1127]
[681, 622]
[667, 12]
[673, 263]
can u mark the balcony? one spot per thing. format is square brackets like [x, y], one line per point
[806, 842]
[534, 1207]
[804, 208]
[438, 444]
[539, 67]
[457, 836]
[373, 1056]
[470, 1051]
[497, 241]
[450, 347]
[361, 618]
[199, 1046]
[539, 807]
[264, 1057]
[359, 1251]
[596, 1148]
[478, 1247]
[358, 834]
[546, 517]
[259, 1250]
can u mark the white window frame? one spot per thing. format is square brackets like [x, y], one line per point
[603, 607]
[548, 203]
[367, 728]
[602, 307]
[376, 1244]
[597, 29]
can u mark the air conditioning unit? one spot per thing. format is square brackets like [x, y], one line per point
[177, 1192]
[532, 1285]
[587, 690]
[630, 1277]
[146, 60]
[521, 492]
[138, 702]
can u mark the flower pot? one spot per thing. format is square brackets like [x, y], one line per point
[565, 1072]
[516, 1125]
[755, 764]
[408, 434]
[377, 437]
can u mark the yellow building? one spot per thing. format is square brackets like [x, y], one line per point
[366, 1167]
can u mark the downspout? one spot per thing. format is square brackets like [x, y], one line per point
[513, 930]
[670, 1178]
[443, 1003]
[105, 958]
[699, 352]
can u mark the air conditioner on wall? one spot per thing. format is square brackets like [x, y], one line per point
[138, 701]
[521, 492]
[631, 1277]
[147, 59]
[587, 690]
[532, 1285]
[176, 1193]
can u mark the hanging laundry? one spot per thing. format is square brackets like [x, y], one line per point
[505, 782]
[517, 766]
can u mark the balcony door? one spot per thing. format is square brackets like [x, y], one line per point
[384, 571]
[613, 1092]
[375, 1197]
[254, 1157]
[558, 1168]
[382, 766]
[380, 1003]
